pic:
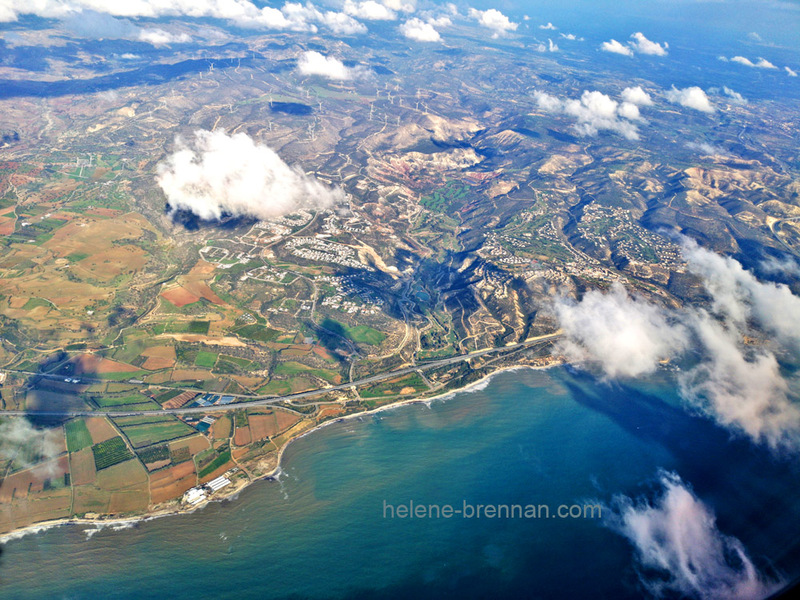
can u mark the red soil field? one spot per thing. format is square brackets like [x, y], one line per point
[262, 426]
[179, 296]
[242, 436]
[100, 429]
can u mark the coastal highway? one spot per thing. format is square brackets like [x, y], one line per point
[265, 400]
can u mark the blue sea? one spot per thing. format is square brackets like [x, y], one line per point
[528, 437]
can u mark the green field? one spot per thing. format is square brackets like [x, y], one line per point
[77, 256]
[161, 398]
[363, 334]
[295, 368]
[37, 302]
[110, 452]
[234, 364]
[132, 400]
[256, 332]
[78, 436]
[154, 453]
[205, 359]
[142, 419]
[215, 464]
[146, 434]
[200, 327]
[276, 388]
[442, 198]
[388, 388]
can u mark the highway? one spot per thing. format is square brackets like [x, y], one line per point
[266, 400]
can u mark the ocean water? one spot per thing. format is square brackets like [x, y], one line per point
[529, 437]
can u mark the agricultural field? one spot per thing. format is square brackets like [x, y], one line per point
[146, 431]
[408, 384]
[110, 452]
[211, 461]
[292, 368]
[78, 436]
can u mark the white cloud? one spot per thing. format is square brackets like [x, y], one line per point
[28, 446]
[636, 95]
[630, 111]
[419, 30]
[786, 266]
[639, 43]
[314, 63]
[549, 47]
[98, 25]
[790, 72]
[594, 112]
[626, 336]
[762, 63]
[369, 10]
[644, 46]
[441, 21]
[495, 20]
[733, 96]
[691, 97]
[739, 296]
[706, 149]
[571, 37]
[679, 549]
[341, 24]
[740, 386]
[159, 37]
[291, 16]
[220, 174]
[615, 47]
[743, 393]
[549, 26]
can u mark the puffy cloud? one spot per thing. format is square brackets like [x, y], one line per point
[495, 20]
[244, 13]
[743, 393]
[220, 174]
[159, 37]
[644, 46]
[706, 149]
[739, 296]
[636, 95]
[733, 96]
[98, 25]
[615, 47]
[775, 266]
[790, 72]
[762, 63]
[419, 30]
[625, 335]
[369, 10]
[28, 446]
[691, 97]
[679, 549]
[571, 37]
[594, 112]
[341, 24]
[737, 385]
[549, 26]
[314, 63]
[639, 43]
[441, 21]
[630, 111]
[550, 47]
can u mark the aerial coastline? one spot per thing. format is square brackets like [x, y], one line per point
[230, 494]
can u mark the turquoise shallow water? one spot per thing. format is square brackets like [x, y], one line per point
[529, 437]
